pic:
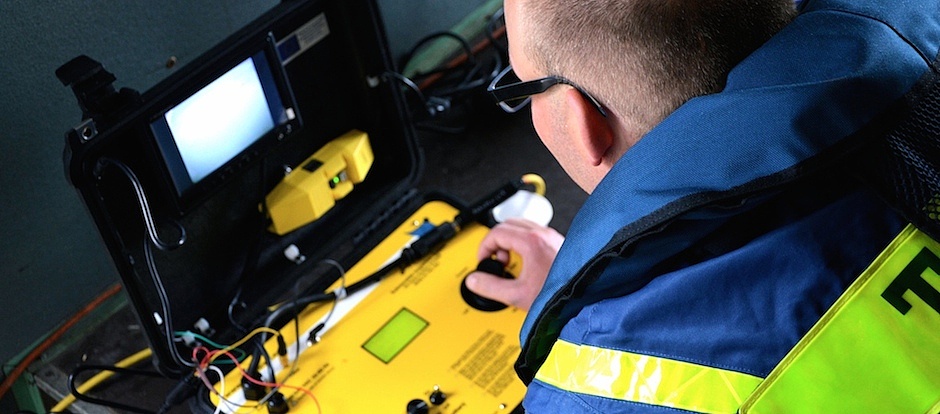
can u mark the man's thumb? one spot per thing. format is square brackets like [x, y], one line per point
[490, 286]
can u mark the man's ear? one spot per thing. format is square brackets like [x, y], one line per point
[588, 127]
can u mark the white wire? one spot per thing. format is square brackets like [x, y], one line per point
[215, 369]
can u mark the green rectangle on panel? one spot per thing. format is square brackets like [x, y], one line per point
[395, 335]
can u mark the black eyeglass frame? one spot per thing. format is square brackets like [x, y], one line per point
[526, 89]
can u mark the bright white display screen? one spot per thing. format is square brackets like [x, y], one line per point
[220, 121]
[210, 135]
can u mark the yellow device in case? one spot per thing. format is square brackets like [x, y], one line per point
[408, 341]
[313, 188]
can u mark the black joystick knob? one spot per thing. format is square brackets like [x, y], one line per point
[417, 406]
[491, 266]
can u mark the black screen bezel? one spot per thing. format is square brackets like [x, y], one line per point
[187, 194]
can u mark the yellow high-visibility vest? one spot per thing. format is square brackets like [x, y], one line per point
[876, 350]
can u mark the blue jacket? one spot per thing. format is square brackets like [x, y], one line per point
[725, 233]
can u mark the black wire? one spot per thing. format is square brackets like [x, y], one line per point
[293, 307]
[98, 401]
[440, 99]
[420, 248]
[417, 250]
[231, 312]
[164, 305]
[491, 31]
[458, 80]
[410, 84]
[154, 239]
[259, 345]
[297, 340]
[257, 354]
[463, 43]
[440, 129]
[144, 205]
[471, 74]
[182, 391]
[251, 259]
[470, 84]
[258, 342]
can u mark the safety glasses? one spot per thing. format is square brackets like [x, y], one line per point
[513, 94]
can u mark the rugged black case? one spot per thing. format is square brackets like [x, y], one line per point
[339, 85]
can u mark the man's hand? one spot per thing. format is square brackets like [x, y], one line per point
[535, 244]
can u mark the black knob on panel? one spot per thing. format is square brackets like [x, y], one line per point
[417, 406]
[437, 397]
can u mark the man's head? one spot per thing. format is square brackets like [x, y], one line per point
[640, 58]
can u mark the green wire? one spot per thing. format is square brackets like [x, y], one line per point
[241, 354]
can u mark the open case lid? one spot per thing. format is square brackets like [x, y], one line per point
[317, 68]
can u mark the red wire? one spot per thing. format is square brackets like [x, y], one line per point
[42, 347]
[204, 362]
[201, 370]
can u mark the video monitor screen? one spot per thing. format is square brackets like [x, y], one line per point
[208, 134]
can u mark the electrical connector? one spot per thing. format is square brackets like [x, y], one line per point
[277, 404]
[252, 390]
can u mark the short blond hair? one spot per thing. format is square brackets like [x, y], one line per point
[663, 51]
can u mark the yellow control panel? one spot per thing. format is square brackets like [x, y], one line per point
[410, 343]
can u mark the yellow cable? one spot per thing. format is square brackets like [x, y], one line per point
[243, 340]
[536, 181]
[135, 359]
[101, 377]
